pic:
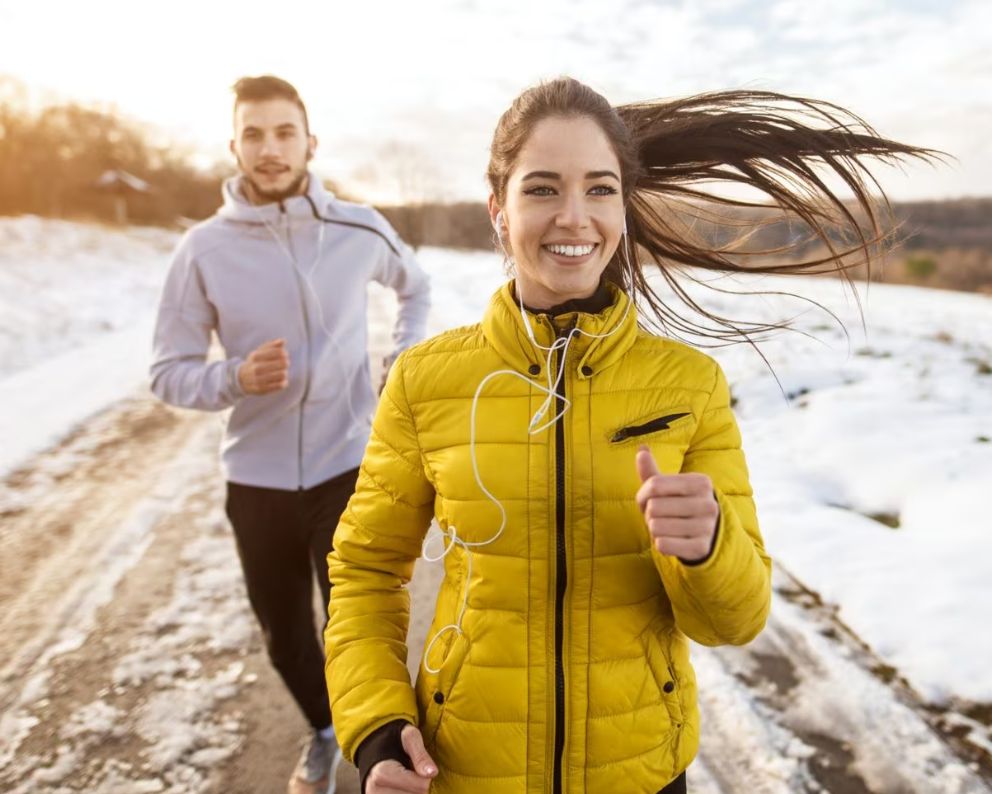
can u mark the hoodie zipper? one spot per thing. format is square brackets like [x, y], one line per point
[561, 575]
[306, 331]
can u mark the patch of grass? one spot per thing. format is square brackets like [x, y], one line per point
[982, 366]
[869, 352]
[921, 266]
[885, 672]
[980, 712]
[889, 519]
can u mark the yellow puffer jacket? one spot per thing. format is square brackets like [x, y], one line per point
[570, 671]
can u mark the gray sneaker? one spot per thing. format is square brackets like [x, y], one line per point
[317, 767]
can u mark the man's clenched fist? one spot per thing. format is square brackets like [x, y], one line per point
[266, 369]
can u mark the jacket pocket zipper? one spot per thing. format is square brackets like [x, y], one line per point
[661, 423]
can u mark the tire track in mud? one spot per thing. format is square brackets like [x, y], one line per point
[809, 707]
[124, 633]
[66, 513]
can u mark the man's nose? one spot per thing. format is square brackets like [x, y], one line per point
[269, 146]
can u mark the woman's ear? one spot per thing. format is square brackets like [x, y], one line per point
[495, 214]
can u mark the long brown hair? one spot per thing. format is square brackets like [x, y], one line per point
[672, 152]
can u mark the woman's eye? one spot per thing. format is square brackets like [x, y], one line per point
[539, 190]
[603, 190]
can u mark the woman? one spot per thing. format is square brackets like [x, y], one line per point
[587, 475]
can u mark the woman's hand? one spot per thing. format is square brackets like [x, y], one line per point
[680, 510]
[391, 777]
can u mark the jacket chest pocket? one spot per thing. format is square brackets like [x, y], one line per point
[667, 426]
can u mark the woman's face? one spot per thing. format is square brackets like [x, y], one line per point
[564, 211]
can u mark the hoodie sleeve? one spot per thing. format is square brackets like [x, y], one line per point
[180, 373]
[724, 599]
[400, 271]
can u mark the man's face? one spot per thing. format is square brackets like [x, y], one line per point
[272, 148]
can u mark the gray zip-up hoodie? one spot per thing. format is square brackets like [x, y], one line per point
[298, 270]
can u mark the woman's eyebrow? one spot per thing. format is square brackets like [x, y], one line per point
[541, 175]
[556, 175]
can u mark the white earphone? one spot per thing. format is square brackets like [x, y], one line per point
[498, 226]
[550, 388]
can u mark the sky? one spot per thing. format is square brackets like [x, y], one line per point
[404, 96]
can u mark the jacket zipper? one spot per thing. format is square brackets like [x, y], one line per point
[561, 580]
[306, 330]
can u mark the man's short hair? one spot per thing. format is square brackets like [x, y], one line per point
[260, 89]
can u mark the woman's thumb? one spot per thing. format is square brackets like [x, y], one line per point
[646, 465]
[413, 745]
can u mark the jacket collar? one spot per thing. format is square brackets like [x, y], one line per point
[589, 352]
[594, 304]
[237, 208]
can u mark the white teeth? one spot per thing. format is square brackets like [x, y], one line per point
[571, 250]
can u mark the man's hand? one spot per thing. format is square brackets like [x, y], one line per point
[266, 369]
[680, 510]
[391, 777]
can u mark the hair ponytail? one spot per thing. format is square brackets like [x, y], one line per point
[673, 153]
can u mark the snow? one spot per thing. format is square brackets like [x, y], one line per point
[205, 579]
[76, 307]
[886, 423]
[888, 427]
[896, 432]
[180, 716]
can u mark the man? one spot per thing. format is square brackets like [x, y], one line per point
[280, 274]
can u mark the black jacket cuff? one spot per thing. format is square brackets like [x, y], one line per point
[383, 744]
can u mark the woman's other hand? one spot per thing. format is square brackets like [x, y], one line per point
[391, 777]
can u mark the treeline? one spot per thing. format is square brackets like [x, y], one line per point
[943, 244]
[461, 225]
[52, 161]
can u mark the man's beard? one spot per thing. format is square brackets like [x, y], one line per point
[278, 195]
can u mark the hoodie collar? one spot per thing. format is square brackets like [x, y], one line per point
[589, 352]
[237, 208]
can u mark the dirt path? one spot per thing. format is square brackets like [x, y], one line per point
[129, 661]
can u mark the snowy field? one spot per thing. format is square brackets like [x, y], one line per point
[869, 471]
[894, 423]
